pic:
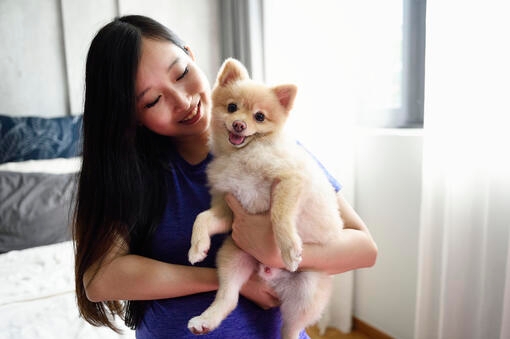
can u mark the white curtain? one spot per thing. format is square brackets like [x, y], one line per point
[464, 257]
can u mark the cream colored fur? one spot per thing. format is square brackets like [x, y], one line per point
[249, 155]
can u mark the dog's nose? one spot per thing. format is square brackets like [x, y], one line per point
[239, 126]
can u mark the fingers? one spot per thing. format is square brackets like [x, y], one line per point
[269, 298]
[274, 298]
[273, 185]
[272, 302]
[233, 203]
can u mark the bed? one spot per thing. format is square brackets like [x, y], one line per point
[39, 162]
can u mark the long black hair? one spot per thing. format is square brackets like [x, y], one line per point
[121, 191]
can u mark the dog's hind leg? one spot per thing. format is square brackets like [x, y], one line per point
[234, 269]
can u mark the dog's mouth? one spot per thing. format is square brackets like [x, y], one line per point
[236, 139]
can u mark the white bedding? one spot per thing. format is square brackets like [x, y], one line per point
[37, 297]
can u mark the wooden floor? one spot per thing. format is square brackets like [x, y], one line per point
[332, 333]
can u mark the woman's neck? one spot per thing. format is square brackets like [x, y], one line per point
[193, 149]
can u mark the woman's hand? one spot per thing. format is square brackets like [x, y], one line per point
[353, 248]
[258, 291]
[253, 233]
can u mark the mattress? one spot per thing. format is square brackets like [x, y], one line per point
[37, 297]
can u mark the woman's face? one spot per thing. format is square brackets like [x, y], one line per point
[172, 92]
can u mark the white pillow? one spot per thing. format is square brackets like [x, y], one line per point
[54, 166]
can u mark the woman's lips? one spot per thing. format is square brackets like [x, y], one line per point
[193, 116]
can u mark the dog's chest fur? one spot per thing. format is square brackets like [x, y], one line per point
[248, 174]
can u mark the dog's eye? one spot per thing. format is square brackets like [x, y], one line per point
[259, 116]
[232, 108]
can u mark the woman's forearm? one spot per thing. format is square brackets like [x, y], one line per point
[352, 249]
[133, 277]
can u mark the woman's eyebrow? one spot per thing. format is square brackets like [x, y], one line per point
[173, 63]
[142, 93]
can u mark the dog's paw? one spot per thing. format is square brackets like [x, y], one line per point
[292, 261]
[198, 250]
[292, 254]
[199, 325]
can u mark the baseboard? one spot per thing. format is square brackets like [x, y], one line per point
[368, 330]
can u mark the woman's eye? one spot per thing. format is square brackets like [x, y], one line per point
[151, 104]
[232, 108]
[260, 117]
[186, 70]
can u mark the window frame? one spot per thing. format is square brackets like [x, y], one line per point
[413, 49]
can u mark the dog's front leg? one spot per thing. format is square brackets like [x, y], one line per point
[234, 269]
[217, 219]
[284, 208]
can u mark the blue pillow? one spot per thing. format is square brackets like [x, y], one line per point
[33, 138]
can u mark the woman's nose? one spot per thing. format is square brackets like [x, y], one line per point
[181, 99]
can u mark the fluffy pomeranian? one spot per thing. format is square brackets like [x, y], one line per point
[251, 151]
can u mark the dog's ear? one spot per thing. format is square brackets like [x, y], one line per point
[286, 95]
[231, 70]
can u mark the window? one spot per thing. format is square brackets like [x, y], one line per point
[368, 54]
[380, 43]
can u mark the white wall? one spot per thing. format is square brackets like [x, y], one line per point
[196, 22]
[33, 79]
[388, 193]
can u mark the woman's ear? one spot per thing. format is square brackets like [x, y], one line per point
[190, 52]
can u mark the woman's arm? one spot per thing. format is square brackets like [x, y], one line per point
[354, 247]
[123, 276]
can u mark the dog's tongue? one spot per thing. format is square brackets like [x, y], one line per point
[235, 139]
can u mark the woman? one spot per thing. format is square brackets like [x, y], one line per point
[142, 183]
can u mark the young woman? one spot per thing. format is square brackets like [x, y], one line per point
[142, 183]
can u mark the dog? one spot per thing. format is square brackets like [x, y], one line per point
[251, 152]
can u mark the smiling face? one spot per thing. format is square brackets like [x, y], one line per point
[244, 110]
[172, 93]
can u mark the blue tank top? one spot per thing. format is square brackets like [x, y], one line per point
[168, 318]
